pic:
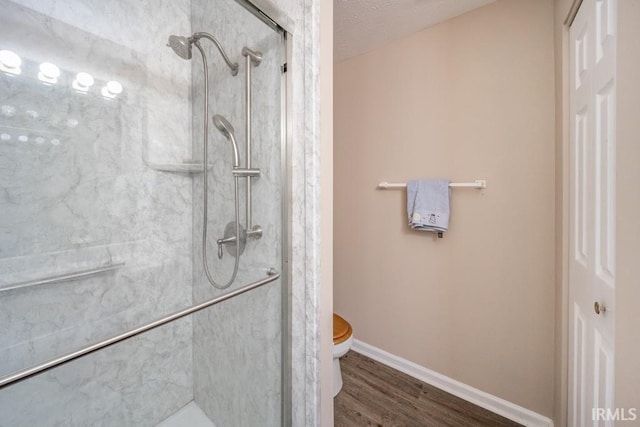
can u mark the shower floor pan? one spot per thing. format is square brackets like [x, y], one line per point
[190, 415]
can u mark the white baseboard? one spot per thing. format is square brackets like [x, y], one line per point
[484, 400]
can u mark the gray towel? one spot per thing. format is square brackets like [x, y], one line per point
[428, 204]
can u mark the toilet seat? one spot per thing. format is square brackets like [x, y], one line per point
[342, 342]
[341, 330]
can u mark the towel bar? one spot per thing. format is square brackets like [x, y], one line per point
[478, 184]
[62, 277]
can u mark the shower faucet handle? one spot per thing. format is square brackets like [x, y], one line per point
[235, 245]
[220, 253]
[224, 241]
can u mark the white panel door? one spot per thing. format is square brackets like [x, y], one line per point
[592, 215]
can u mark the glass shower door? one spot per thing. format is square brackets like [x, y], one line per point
[238, 346]
[101, 216]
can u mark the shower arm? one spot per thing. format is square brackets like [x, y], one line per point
[233, 65]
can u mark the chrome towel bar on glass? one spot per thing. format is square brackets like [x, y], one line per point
[272, 275]
[478, 183]
[62, 277]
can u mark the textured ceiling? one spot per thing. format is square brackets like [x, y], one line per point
[363, 25]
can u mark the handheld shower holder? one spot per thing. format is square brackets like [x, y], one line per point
[249, 173]
[255, 231]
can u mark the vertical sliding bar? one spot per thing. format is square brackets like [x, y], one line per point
[248, 219]
[251, 58]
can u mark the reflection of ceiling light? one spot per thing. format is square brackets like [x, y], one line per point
[112, 89]
[10, 62]
[10, 59]
[8, 110]
[83, 82]
[23, 138]
[49, 73]
[5, 137]
[39, 139]
[72, 123]
[55, 141]
[32, 114]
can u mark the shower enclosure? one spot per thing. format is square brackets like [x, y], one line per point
[132, 291]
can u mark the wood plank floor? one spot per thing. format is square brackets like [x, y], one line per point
[375, 395]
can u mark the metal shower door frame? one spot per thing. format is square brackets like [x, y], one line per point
[286, 132]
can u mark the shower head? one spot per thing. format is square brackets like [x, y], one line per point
[227, 130]
[181, 46]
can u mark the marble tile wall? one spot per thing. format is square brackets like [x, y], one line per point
[237, 345]
[77, 192]
[305, 209]
[301, 17]
[138, 382]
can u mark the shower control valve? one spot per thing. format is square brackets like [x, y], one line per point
[234, 246]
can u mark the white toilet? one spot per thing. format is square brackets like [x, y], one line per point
[342, 342]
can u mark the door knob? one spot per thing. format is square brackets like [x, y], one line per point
[599, 308]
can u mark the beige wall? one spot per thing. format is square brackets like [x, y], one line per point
[627, 206]
[561, 53]
[472, 98]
